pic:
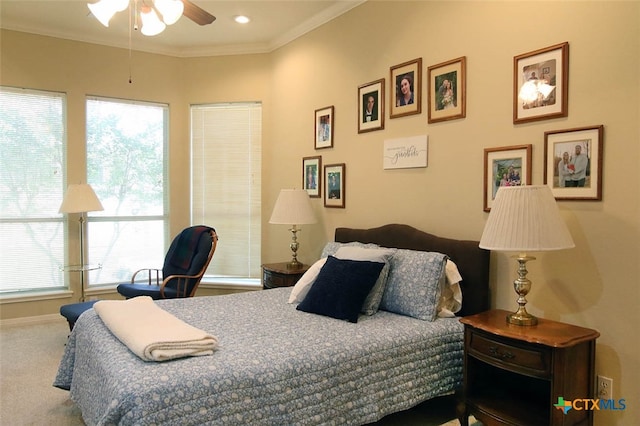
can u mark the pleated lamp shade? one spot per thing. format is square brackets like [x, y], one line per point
[525, 219]
[293, 207]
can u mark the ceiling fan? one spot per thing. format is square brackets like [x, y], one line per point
[197, 14]
[155, 15]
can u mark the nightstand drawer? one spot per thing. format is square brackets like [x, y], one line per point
[492, 349]
[281, 274]
[271, 280]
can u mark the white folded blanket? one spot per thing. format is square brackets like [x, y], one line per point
[151, 332]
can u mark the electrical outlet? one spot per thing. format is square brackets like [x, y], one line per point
[604, 388]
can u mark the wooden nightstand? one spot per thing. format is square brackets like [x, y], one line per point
[281, 275]
[514, 375]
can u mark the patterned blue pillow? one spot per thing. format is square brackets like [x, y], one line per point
[341, 288]
[414, 284]
[332, 247]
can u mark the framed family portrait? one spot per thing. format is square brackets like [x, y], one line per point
[312, 175]
[573, 163]
[447, 90]
[371, 106]
[324, 127]
[334, 185]
[541, 84]
[406, 88]
[505, 166]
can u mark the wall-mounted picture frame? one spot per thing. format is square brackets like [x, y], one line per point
[334, 178]
[505, 166]
[405, 153]
[447, 83]
[406, 88]
[312, 175]
[371, 106]
[323, 131]
[573, 163]
[541, 84]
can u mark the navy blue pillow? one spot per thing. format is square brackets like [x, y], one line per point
[341, 288]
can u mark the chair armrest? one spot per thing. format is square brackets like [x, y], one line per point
[158, 273]
[181, 287]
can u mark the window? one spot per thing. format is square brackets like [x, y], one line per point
[32, 146]
[225, 184]
[127, 168]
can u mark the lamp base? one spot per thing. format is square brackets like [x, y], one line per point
[522, 317]
[522, 285]
[294, 264]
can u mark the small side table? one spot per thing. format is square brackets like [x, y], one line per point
[513, 375]
[281, 275]
[82, 269]
[73, 311]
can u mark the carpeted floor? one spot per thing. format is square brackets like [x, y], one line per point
[29, 357]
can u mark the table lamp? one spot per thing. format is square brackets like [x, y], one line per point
[293, 207]
[525, 219]
[80, 198]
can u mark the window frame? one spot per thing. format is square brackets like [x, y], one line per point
[252, 136]
[46, 216]
[93, 286]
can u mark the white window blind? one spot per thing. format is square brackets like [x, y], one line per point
[226, 146]
[32, 146]
[127, 167]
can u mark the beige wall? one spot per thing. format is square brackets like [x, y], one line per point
[593, 285]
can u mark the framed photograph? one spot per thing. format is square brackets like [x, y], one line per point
[406, 88]
[312, 175]
[447, 90]
[371, 106]
[541, 84]
[505, 166]
[573, 163]
[323, 134]
[334, 185]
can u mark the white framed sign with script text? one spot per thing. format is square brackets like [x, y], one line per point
[405, 153]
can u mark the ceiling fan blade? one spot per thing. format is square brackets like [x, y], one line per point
[197, 14]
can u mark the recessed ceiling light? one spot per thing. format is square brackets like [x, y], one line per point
[241, 19]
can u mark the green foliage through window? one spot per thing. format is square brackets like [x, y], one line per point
[127, 167]
[32, 144]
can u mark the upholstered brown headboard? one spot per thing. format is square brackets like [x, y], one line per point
[472, 261]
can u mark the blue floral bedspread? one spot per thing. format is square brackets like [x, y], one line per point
[274, 366]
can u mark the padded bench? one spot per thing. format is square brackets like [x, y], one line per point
[73, 311]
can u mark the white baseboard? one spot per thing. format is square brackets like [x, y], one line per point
[40, 319]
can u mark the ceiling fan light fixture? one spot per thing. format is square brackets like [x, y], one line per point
[154, 15]
[241, 19]
[103, 10]
[151, 23]
[119, 5]
[171, 10]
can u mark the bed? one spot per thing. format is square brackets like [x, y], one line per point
[276, 364]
